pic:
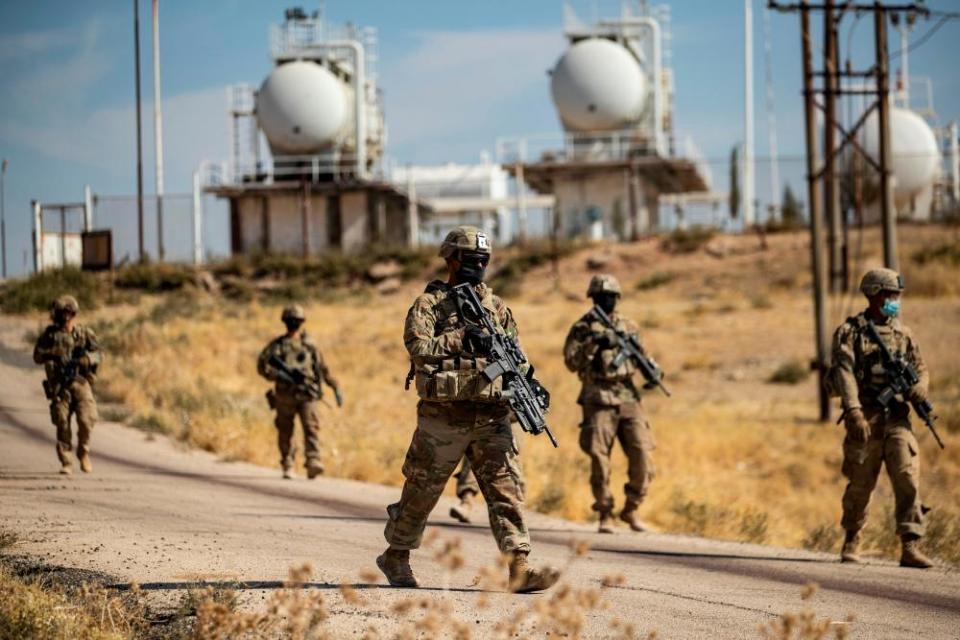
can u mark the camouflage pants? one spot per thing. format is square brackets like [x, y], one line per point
[79, 402]
[289, 407]
[602, 425]
[444, 435]
[892, 445]
[467, 482]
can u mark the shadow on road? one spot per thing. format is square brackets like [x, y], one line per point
[245, 585]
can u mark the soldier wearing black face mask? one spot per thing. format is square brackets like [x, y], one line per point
[611, 406]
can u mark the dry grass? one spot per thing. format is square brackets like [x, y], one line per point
[186, 366]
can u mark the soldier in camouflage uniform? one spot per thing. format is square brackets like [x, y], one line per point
[299, 395]
[70, 356]
[876, 436]
[459, 414]
[611, 406]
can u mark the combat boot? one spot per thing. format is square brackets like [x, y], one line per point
[314, 469]
[851, 547]
[461, 512]
[606, 522]
[526, 579]
[395, 565]
[911, 556]
[632, 518]
[287, 472]
[85, 465]
[66, 469]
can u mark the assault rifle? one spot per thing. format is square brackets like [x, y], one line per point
[528, 399]
[69, 370]
[629, 347]
[902, 377]
[294, 377]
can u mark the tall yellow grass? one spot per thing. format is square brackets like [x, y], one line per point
[736, 457]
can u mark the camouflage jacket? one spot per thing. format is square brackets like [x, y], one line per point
[857, 374]
[603, 384]
[433, 334]
[56, 344]
[300, 354]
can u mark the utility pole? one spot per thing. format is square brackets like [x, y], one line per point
[816, 223]
[158, 128]
[831, 88]
[836, 250]
[748, 181]
[3, 218]
[887, 214]
[136, 62]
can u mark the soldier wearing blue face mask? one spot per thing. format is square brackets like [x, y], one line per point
[879, 436]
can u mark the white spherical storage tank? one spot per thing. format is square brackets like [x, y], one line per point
[916, 157]
[302, 108]
[597, 85]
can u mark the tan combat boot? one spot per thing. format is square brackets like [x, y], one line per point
[85, 465]
[632, 518]
[287, 472]
[526, 579]
[851, 547]
[66, 469]
[395, 565]
[314, 469]
[606, 522]
[911, 556]
[461, 512]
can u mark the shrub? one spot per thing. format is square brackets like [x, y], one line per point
[656, 279]
[154, 278]
[947, 252]
[36, 292]
[687, 240]
[792, 372]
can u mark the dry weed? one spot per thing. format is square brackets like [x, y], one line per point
[804, 624]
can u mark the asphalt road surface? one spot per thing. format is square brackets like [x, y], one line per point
[167, 517]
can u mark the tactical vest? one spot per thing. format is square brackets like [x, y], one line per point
[868, 366]
[300, 355]
[64, 342]
[455, 378]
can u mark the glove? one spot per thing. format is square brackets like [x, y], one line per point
[338, 395]
[607, 340]
[476, 341]
[858, 429]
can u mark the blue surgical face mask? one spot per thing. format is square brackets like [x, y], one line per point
[890, 308]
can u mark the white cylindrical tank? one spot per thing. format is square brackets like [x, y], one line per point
[597, 85]
[302, 108]
[916, 156]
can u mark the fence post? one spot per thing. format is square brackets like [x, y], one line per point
[87, 209]
[37, 236]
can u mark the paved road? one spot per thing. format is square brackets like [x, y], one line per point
[166, 517]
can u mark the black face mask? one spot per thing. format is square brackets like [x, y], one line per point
[60, 318]
[606, 301]
[293, 325]
[473, 267]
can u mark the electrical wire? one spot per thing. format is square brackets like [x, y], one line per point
[929, 34]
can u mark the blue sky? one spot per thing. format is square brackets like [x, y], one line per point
[455, 76]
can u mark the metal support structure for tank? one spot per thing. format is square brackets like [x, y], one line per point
[836, 249]
[158, 128]
[359, 96]
[37, 235]
[654, 27]
[305, 203]
[771, 118]
[887, 213]
[521, 203]
[816, 221]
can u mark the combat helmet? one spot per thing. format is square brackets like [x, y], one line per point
[877, 280]
[603, 283]
[65, 304]
[465, 238]
[293, 312]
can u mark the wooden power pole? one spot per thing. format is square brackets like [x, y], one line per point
[825, 173]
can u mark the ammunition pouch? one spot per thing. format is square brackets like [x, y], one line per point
[458, 380]
[271, 397]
